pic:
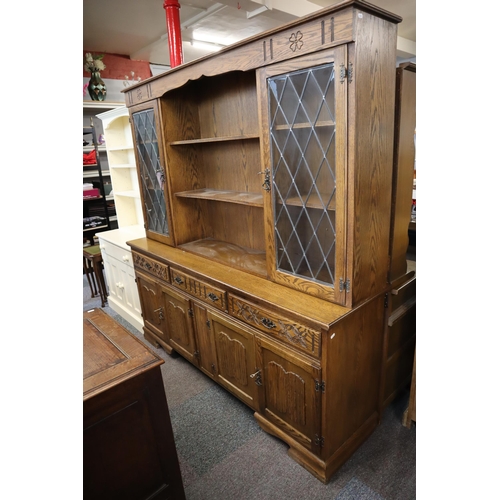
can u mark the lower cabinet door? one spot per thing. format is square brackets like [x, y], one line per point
[237, 370]
[152, 309]
[179, 323]
[292, 392]
[207, 359]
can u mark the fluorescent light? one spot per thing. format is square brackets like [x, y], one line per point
[199, 44]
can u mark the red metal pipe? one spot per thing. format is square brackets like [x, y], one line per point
[172, 8]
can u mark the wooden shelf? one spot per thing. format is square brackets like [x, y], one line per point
[214, 139]
[122, 165]
[314, 201]
[121, 148]
[251, 261]
[252, 199]
[128, 194]
[327, 123]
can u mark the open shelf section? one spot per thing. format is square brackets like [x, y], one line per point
[214, 139]
[252, 199]
[248, 260]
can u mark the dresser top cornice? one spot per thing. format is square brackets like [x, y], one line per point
[217, 62]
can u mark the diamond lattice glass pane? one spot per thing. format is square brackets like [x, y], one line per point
[151, 172]
[302, 118]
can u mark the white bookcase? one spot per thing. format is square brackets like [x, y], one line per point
[118, 267]
[121, 162]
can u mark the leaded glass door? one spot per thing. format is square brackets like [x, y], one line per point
[152, 175]
[306, 134]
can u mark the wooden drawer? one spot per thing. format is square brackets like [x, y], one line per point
[404, 293]
[151, 266]
[116, 252]
[290, 332]
[199, 289]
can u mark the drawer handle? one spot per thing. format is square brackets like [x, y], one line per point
[213, 297]
[178, 280]
[268, 323]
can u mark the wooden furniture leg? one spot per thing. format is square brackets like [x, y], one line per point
[90, 277]
[410, 415]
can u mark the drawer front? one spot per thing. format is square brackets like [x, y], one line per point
[404, 293]
[117, 253]
[199, 289]
[290, 332]
[151, 266]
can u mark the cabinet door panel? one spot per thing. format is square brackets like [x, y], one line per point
[305, 144]
[152, 310]
[111, 268]
[235, 359]
[292, 400]
[150, 159]
[178, 315]
[205, 341]
[130, 297]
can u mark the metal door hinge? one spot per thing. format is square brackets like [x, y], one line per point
[345, 285]
[319, 386]
[208, 323]
[190, 313]
[319, 441]
[342, 73]
[386, 301]
[346, 72]
[196, 353]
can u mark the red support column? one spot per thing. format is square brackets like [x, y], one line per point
[174, 31]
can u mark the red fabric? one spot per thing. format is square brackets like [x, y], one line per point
[89, 158]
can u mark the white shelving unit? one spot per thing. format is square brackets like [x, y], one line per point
[119, 270]
[121, 162]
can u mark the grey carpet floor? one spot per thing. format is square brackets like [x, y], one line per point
[224, 455]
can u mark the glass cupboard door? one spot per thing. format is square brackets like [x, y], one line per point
[307, 155]
[152, 175]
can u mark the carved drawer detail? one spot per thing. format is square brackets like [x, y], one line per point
[199, 289]
[151, 266]
[283, 329]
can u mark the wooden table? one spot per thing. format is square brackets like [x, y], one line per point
[128, 446]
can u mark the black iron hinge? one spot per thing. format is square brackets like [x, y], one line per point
[319, 386]
[386, 301]
[190, 313]
[345, 285]
[346, 72]
[319, 441]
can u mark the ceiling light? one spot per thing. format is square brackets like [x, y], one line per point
[199, 44]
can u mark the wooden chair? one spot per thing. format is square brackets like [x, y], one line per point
[93, 267]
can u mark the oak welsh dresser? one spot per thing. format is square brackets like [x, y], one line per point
[266, 176]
